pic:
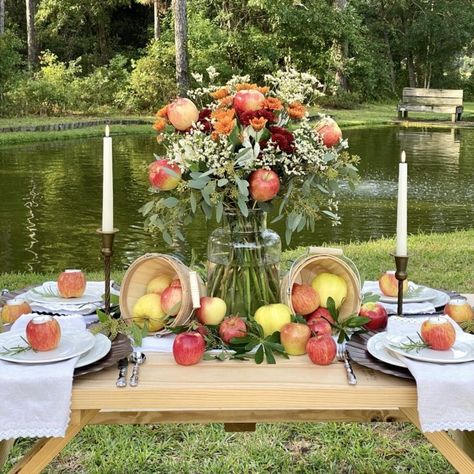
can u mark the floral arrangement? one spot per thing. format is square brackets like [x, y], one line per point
[247, 147]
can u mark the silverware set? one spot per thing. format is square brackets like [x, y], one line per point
[137, 358]
[343, 356]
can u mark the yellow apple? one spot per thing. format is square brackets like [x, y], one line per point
[272, 317]
[148, 309]
[330, 285]
[158, 284]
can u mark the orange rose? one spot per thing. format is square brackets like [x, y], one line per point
[273, 103]
[296, 110]
[221, 115]
[226, 101]
[224, 127]
[258, 123]
[264, 90]
[163, 112]
[215, 136]
[244, 86]
[160, 124]
[220, 93]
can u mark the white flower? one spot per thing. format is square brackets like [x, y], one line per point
[197, 77]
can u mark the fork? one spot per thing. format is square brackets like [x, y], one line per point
[343, 356]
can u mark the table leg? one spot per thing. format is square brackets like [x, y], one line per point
[44, 450]
[5, 447]
[457, 454]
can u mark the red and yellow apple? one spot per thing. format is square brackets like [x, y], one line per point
[158, 284]
[321, 350]
[182, 113]
[330, 285]
[272, 317]
[459, 310]
[188, 348]
[13, 309]
[329, 132]
[247, 100]
[319, 325]
[263, 185]
[212, 310]
[147, 309]
[171, 299]
[438, 333]
[376, 313]
[71, 284]
[321, 313]
[304, 299]
[160, 178]
[43, 333]
[294, 337]
[388, 284]
[233, 326]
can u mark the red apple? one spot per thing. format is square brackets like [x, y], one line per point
[438, 333]
[203, 330]
[321, 350]
[459, 310]
[304, 299]
[171, 300]
[294, 337]
[322, 313]
[176, 283]
[319, 325]
[71, 284]
[247, 100]
[188, 348]
[231, 327]
[212, 310]
[13, 309]
[162, 180]
[182, 113]
[43, 333]
[329, 132]
[263, 185]
[376, 313]
[388, 284]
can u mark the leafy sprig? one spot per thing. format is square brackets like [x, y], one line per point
[17, 349]
[345, 328]
[412, 344]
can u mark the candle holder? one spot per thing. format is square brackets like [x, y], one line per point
[401, 263]
[107, 251]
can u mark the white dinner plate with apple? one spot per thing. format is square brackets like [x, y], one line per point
[376, 346]
[100, 349]
[414, 294]
[461, 351]
[48, 293]
[71, 345]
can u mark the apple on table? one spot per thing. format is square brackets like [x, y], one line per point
[272, 317]
[329, 285]
[377, 314]
[13, 309]
[232, 327]
[171, 300]
[459, 310]
[321, 349]
[319, 325]
[43, 333]
[212, 310]
[71, 284]
[304, 298]
[438, 333]
[294, 337]
[188, 348]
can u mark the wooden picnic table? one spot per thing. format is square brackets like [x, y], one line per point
[240, 394]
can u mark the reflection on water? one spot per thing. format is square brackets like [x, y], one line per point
[51, 196]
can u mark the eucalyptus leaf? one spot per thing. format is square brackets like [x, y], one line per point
[167, 237]
[243, 186]
[329, 214]
[207, 210]
[219, 211]
[222, 182]
[193, 202]
[146, 208]
[170, 202]
[243, 206]
[197, 183]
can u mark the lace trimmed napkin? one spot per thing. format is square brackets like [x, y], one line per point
[445, 391]
[36, 399]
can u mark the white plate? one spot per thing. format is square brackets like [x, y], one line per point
[376, 348]
[71, 345]
[420, 295]
[100, 349]
[45, 294]
[462, 350]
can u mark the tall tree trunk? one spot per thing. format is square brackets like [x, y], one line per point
[388, 52]
[181, 45]
[342, 51]
[411, 70]
[156, 19]
[31, 31]
[2, 17]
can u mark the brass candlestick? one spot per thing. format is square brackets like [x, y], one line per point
[107, 246]
[401, 263]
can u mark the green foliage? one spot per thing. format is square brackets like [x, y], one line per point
[10, 61]
[342, 100]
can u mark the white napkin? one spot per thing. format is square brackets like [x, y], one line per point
[36, 399]
[445, 391]
[408, 308]
[157, 344]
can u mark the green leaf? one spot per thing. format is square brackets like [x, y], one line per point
[370, 298]
[269, 355]
[219, 211]
[243, 206]
[193, 202]
[259, 354]
[197, 183]
[222, 182]
[167, 237]
[329, 214]
[137, 334]
[243, 186]
[102, 316]
[171, 172]
[207, 210]
[331, 307]
[356, 321]
[296, 318]
[146, 208]
[170, 202]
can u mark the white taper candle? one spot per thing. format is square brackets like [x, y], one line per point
[107, 184]
[402, 246]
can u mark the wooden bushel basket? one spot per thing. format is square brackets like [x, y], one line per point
[320, 260]
[147, 267]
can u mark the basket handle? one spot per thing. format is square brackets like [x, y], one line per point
[194, 287]
[325, 250]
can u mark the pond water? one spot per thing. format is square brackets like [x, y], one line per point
[51, 196]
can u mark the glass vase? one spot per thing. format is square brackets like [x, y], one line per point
[244, 263]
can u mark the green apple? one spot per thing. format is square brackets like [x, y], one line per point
[158, 284]
[148, 309]
[330, 285]
[272, 317]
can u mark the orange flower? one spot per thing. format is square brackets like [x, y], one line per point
[263, 90]
[160, 124]
[258, 123]
[223, 115]
[245, 86]
[224, 127]
[296, 110]
[226, 101]
[273, 103]
[220, 93]
[163, 112]
[215, 136]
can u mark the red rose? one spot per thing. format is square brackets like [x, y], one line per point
[283, 138]
[204, 119]
[245, 117]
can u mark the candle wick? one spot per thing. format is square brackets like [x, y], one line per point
[107, 130]
[403, 157]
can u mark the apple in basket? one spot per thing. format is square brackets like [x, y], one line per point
[321, 349]
[376, 313]
[294, 337]
[13, 309]
[212, 310]
[71, 284]
[158, 284]
[43, 333]
[171, 299]
[320, 313]
[147, 309]
[188, 348]
[160, 178]
[330, 285]
[459, 310]
[329, 131]
[304, 299]
[182, 113]
[233, 326]
[263, 185]
[388, 284]
[272, 317]
[247, 100]
[438, 333]
[319, 325]
[176, 283]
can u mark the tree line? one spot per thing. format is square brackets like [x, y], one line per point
[360, 49]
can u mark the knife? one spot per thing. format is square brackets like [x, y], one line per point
[351, 378]
[122, 377]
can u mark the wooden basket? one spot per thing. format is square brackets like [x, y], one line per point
[319, 260]
[147, 267]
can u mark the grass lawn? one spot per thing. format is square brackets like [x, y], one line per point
[439, 260]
